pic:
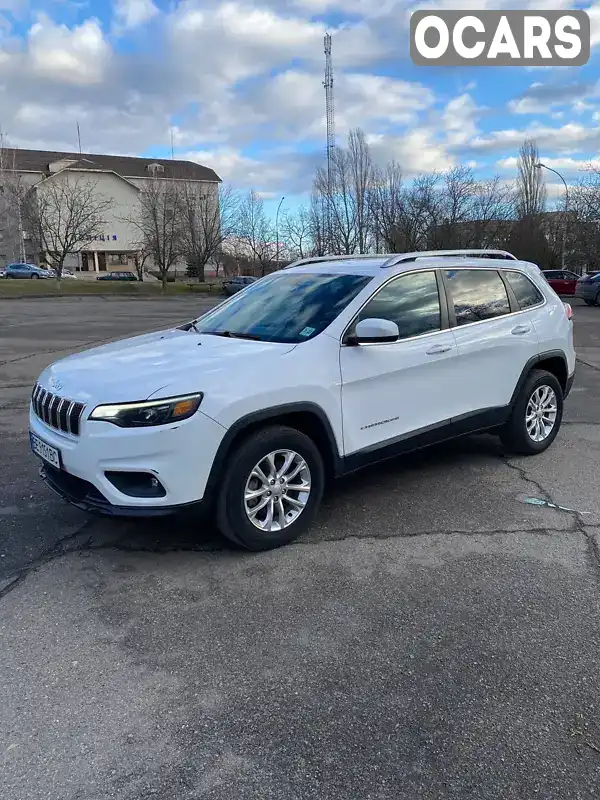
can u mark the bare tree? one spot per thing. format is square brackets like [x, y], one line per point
[584, 220]
[317, 219]
[157, 221]
[493, 207]
[256, 234]
[531, 187]
[361, 168]
[64, 214]
[387, 204]
[297, 232]
[207, 219]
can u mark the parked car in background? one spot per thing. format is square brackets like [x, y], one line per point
[117, 276]
[562, 281]
[66, 273]
[588, 288]
[2, 272]
[238, 282]
[21, 270]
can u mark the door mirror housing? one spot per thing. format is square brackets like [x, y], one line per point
[374, 331]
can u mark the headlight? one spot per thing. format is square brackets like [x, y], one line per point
[149, 412]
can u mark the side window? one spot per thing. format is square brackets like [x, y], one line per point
[411, 301]
[477, 294]
[526, 293]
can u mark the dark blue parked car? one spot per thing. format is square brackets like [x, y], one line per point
[25, 271]
[588, 288]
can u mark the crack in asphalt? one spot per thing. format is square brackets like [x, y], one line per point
[579, 524]
[58, 550]
[62, 548]
[522, 472]
[587, 364]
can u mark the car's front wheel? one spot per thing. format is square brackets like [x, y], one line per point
[589, 302]
[536, 416]
[272, 489]
[34, 275]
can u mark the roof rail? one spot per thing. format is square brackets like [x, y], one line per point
[317, 259]
[483, 253]
[398, 258]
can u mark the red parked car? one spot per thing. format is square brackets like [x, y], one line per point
[562, 281]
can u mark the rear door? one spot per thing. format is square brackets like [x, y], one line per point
[571, 279]
[495, 333]
[562, 283]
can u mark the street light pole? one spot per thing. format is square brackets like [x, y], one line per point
[277, 233]
[564, 236]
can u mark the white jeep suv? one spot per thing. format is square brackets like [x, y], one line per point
[313, 371]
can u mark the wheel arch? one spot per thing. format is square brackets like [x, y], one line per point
[309, 418]
[554, 361]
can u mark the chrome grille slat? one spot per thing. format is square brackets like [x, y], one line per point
[57, 412]
[69, 412]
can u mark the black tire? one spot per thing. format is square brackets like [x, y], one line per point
[589, 302]
[514, 435]
[231, 516]
[33, 275]
[597, 300]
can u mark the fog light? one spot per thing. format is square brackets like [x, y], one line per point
[136, 484]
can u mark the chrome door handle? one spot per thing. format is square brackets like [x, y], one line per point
[520, 330]
[439, 348]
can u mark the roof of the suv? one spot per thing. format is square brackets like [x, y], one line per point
[381, 265]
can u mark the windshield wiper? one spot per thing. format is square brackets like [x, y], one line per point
[233, 335]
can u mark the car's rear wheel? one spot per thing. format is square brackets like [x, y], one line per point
[536, 416]
[589, 302]
[272, 489]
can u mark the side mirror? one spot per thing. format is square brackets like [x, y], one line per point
[374, 331]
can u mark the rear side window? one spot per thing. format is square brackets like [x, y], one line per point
[477, 294]
[526, 293]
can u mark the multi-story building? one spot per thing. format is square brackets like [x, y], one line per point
[118, 179]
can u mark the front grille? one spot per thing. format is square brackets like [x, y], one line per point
[56, 411]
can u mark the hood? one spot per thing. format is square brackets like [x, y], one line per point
[136, 368]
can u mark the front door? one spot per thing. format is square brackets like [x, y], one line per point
[392, 390]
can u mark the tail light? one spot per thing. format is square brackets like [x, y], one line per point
[568, 310]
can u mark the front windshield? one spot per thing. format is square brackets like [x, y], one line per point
[284, 307]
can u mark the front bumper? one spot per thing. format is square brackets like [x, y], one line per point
[180, 456]
[85, 496]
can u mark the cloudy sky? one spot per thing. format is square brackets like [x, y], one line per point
[240, 84]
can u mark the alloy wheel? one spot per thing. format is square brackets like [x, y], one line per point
[277, 490]
[541, 414]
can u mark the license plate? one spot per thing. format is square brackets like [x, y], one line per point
[45, 451]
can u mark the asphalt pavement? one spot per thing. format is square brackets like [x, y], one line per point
[435, 635]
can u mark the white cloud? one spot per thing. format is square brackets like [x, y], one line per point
[460, 120]
[77, 56]
[594, 15]
[567, 165]
[416, 151]
[232, 165]
[133, 13]
[569, 138]
[544, 98]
